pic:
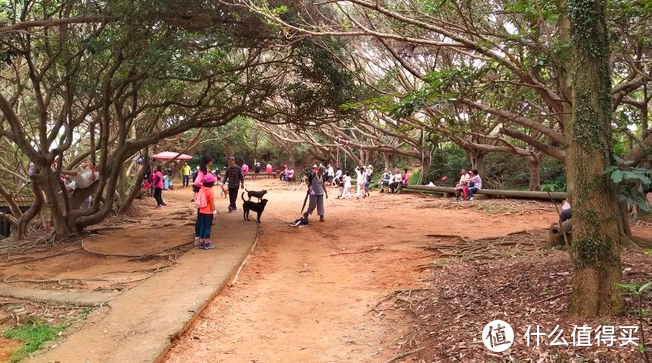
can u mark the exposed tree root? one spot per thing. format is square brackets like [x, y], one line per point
[139, 257]
[552, 297]
[33, 259]
[38, 281]
[397, 294]
[373, 249]
[462, 239]
[405, 354]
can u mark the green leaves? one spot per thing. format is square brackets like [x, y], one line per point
[635, 289]
[628, 182]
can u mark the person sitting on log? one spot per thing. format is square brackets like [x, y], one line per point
[565, 213]
[395, 181]
[475, 183]
[384, 180]
[462, 186]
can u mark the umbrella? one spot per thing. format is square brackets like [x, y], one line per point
[167, 155]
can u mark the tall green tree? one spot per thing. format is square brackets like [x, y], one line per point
[596, 240]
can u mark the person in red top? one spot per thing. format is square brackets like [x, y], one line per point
[406, 178]
[268, 168]
[207, 211]
[157, 182]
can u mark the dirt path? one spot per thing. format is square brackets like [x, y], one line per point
[305, 294]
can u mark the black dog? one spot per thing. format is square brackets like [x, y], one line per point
[256, 207]
[256, 193]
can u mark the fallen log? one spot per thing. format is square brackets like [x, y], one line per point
[526, 194]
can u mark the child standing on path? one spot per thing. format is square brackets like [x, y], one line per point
[206, 204]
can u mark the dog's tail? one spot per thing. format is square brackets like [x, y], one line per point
[242, 196]
[246, 190]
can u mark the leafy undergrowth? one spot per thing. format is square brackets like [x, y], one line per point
[33, 336]
[523, 286]
[31, 324]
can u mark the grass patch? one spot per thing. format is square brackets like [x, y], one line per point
[34, 335]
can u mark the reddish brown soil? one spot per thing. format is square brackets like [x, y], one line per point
[325, 293]
[312, 294]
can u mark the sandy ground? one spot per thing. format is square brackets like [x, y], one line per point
[306, 295]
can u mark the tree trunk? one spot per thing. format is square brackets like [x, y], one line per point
[389, 160]
[122, 185]
[533, 164]
[477, 161]
[596, 241]
[426, 161]
[645, 132]
[133, 193]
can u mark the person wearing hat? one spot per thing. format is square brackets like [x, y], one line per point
[317, 190]
[206, 203]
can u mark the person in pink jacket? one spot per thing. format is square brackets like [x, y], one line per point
[157, 182]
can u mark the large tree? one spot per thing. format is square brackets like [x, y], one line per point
[107, 80]
[596, 241]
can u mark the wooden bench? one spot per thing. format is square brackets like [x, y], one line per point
[251, 175]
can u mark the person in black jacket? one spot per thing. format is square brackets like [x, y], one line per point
[233, 177]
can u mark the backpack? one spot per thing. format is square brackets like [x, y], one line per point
[200, 199]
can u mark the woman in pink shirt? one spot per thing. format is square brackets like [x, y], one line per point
[157, 181]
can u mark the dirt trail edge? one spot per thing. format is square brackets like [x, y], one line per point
[138, 325]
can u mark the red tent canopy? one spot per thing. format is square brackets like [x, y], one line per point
[168, 155]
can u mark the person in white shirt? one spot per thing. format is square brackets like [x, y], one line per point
[330, 173]
[384, 180]
[462, 186]
[395, 181]
[346, 190]
[361, 178]
[337, 179]
[83, 178]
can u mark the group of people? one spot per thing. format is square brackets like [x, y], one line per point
[469, 183]
[364, 175]
[257, 169]
[394, 181]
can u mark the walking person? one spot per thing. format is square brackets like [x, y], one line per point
[157, 182]
[346, 189]
[317, 190]
[185, 172]
[206, 203]
[361, 177]
[233, 177]
[368, 173]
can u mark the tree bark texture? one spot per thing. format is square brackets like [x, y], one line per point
[534, 164]
[596, 241]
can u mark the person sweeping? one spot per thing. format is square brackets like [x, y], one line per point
[316, 192]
